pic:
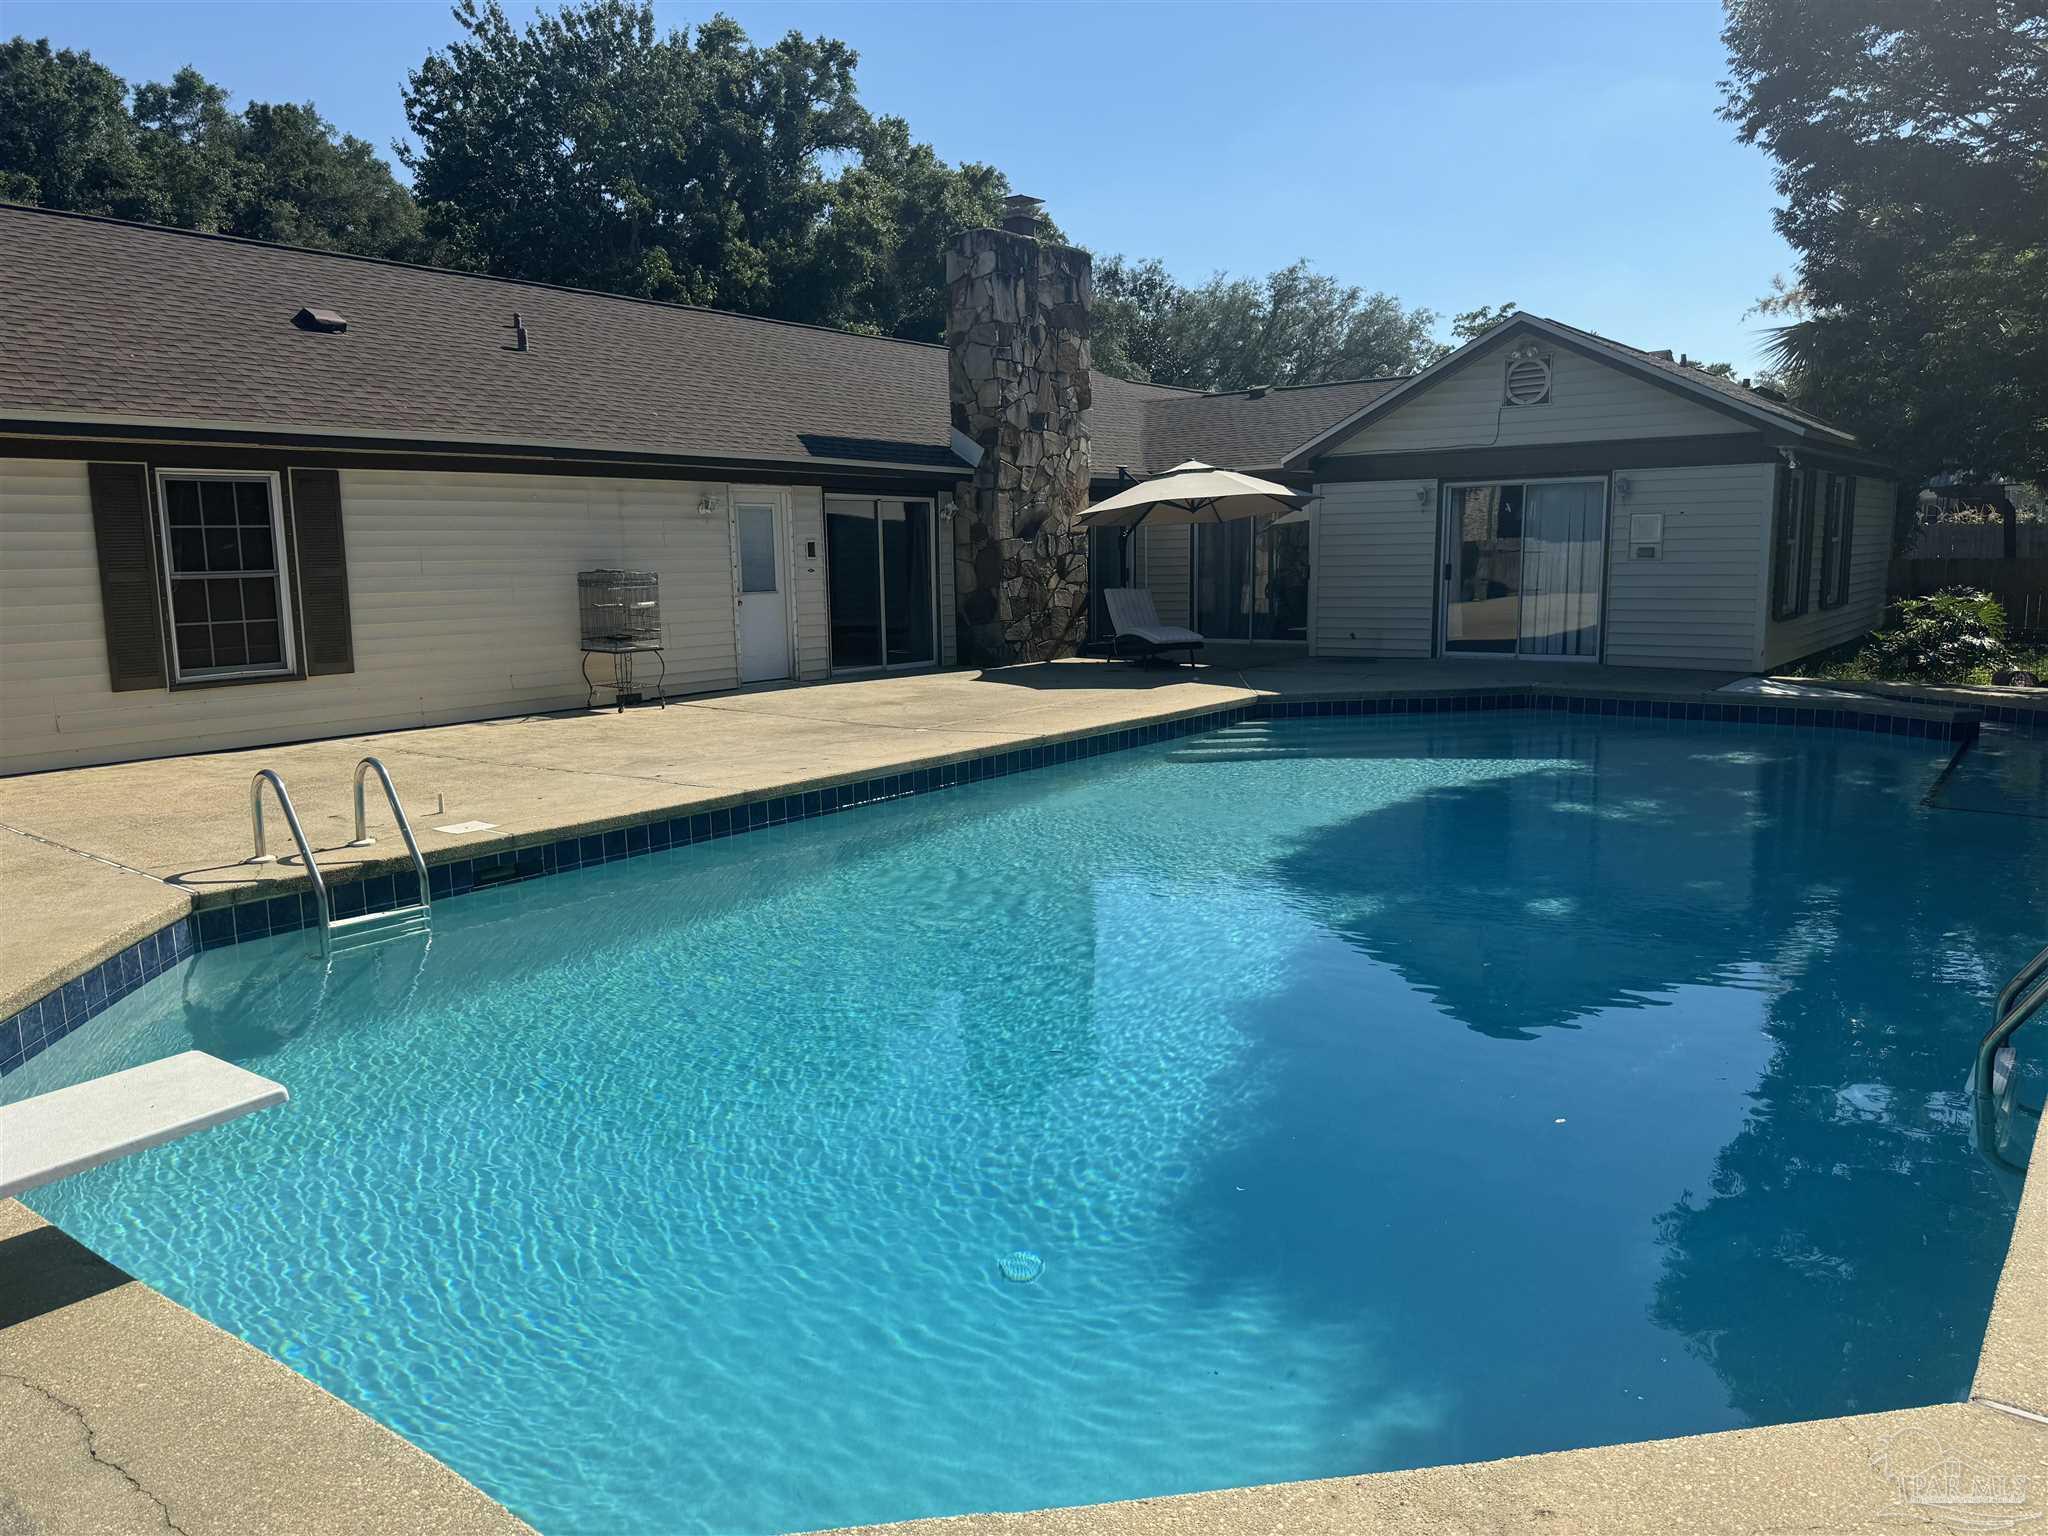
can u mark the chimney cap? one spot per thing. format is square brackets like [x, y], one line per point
[1020, 213]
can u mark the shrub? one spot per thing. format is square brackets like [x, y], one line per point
[1939, 639]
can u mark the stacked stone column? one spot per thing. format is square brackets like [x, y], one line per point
[1017, 314]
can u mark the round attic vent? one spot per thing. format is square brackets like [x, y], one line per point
[1528, 379]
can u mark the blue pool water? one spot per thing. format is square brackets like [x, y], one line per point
[1373, 1093]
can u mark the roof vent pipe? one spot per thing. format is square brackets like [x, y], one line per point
[518, 333]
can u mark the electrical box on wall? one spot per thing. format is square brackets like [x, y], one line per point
[1646, 535]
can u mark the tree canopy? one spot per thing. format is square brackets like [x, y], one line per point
[1911, 143]
[70, 137]
[1294, 326]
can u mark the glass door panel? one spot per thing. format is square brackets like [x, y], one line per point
[1482, 608]
[1223, 579]
[907, 588]
[1281, 574]
[852, 563]
[1563, 558]
[881, 582]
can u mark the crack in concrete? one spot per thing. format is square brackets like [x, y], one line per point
[97, 858]
[92, 1448]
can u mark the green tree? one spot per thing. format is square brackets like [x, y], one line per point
[1293, 326]
[1474, 323]
[66, 140]
[69, 138]
[1911, 143]
[302, 183]
[592, 149]
[893, 213]
[191, 157]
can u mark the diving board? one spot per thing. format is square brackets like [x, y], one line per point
[54, 1135]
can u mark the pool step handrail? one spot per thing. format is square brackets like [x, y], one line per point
[367, 929]
[263, 855]
[2018, 1001]
[372, 928]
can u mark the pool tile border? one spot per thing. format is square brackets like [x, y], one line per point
[65, 1008]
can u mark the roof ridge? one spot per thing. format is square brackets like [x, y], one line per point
[10, 206]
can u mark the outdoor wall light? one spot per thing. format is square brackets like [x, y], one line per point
[1422, 495]
[947, 507]
[707, 505]
[1624, 487]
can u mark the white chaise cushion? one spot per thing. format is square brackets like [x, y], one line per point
[1132, 614]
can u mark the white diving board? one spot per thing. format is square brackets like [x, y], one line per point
[54, 1135]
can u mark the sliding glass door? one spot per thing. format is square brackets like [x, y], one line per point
[881, 582]
[1251, 579]
[1524, 565]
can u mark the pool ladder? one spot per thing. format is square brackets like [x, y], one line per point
[2025, 995]
[341, 935]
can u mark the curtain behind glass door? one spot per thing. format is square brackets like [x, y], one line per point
[1563, 549]
[907, 582]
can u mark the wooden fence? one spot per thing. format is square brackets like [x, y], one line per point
[1978, 541]
[2020, 585]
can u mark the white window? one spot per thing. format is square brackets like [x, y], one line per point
[223, 543]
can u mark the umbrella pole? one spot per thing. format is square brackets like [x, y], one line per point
[1123, 555]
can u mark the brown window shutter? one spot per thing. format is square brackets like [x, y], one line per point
[128, 584]
[326, 636]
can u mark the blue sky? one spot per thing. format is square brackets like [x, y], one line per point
[1565, 156]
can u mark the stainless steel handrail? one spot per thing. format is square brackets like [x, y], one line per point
[2014, 1007]
[364, 840]
[262, 855]
[2021, 979]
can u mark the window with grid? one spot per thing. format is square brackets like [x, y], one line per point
[224, 566]
[1838, 534]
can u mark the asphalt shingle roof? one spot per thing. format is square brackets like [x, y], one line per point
[103, 320]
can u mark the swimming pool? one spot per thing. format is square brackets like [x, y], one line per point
[1374, 1093]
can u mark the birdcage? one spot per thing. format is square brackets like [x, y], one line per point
[620, 610]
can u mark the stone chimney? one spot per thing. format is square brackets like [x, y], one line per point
[1017, 312]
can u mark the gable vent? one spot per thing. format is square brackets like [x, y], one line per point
[311, 319]
[1528, 377]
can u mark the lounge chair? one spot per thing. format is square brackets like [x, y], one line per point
[1139, 634]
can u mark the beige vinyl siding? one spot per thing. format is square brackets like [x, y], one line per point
[1166, 554]
[1374, 569]
[463, 596]
[1820, 629]
[1699, 603]
[1588, 401]
[813, 618]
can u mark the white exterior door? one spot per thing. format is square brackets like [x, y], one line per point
[763, 594]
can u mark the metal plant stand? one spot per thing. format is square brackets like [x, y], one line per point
[622, 655]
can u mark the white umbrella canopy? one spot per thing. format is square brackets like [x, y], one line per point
[1193, 492]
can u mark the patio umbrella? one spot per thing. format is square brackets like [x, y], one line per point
[1193, 492]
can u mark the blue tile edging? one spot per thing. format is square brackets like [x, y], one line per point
[65, 1008]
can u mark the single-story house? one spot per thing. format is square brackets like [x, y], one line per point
[251, 494]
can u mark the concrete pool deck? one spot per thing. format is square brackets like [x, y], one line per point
[134, 1413]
